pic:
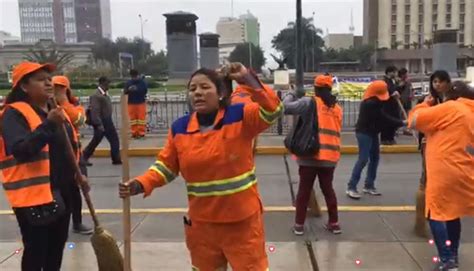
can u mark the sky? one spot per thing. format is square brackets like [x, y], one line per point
[330, 15]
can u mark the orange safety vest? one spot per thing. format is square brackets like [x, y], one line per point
[27, 183]
[329, 122]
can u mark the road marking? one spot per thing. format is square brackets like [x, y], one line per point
[267, 209]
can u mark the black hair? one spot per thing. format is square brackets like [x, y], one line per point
[390, 68]
[133, 73]
[17, 94]
[103, 80]
[443, 76]
[402, 72]
[325, 94]
[460, 89]
[221, 83]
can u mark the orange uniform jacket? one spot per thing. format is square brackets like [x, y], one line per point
[217, 165]
[75, 113]
[242, 95]
[449, 131]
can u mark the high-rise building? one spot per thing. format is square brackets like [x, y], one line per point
[93, 19]
[233, 31]
[64, 21]
[404, 24]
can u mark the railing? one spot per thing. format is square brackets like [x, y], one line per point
[163, 109]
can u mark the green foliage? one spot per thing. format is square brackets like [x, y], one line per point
[362, 54]
[241, 54]
[285, 43]
[145, 59]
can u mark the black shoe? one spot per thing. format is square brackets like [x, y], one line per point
[82, 229]
[88, 164]
[116, 162]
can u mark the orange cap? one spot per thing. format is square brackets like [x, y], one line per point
[62, 81]
[25, 68]
[323, 81]
[377, 88]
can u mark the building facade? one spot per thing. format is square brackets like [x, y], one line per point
[12, 54]
[339, 41]
[7, 38]
[405, 24]
[64, 21]
[233, 31]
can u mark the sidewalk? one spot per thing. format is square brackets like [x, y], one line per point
[267, 144]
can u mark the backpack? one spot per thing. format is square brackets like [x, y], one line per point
[303, 139]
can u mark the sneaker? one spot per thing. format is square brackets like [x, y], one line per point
[333, 227]
[371, 191]
[88, 164]
[298, 230]
[353, 194]
[447, 266]
[82, 229]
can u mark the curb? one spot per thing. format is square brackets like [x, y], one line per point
[266, 150]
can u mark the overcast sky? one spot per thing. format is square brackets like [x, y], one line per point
[273, 15]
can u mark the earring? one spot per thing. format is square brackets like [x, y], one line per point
[220, 99]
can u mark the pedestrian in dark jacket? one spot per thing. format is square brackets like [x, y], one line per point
[101, 119]
[372, 118]
[391, 106]
[137, 90]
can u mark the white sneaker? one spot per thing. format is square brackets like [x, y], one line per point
[372, 191]
[353, 194]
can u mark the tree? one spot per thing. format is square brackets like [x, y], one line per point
[108, 50]
[241, 54]
[285, 43]
[155, 65]
[48, 52]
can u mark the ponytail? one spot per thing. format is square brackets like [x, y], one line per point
[325, 94]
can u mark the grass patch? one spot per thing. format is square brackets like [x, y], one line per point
[113, 92]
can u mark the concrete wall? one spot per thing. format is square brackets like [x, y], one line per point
[182, 55]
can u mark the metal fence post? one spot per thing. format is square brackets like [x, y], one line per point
[280, 120]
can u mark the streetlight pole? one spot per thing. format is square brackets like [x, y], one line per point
[299, 50]
[313, 34]
[141, 24]
[250, 55]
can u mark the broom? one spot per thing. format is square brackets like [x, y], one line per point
[104, 244]
[420, 220]
[125, 177]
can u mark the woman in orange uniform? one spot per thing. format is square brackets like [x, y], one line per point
[36, 176]
[449, 132]
[212, 150]
[324, 163]
[76, 113]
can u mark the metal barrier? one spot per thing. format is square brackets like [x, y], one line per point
[163, 109]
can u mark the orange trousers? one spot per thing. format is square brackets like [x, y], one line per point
[241, 244]
[137, 115]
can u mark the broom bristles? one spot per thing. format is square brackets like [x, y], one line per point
[420, 221]
[314, 205]
[106, 251]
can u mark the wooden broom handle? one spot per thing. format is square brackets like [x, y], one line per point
[405, 115]
[77, 170]
[125, 177]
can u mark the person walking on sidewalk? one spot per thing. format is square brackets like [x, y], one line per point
[37, 176]
[212, 149]
[387, 135]
[101, 119]
[136, 89]
[372, 119]
[322, 164]
[449, 155]
[76, 113]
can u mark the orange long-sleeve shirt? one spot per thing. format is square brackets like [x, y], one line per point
[217, 164]
[449, 131]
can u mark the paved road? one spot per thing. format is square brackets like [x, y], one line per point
[380, 240]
